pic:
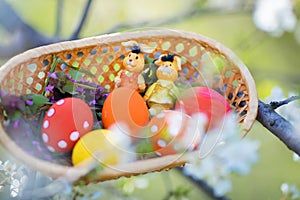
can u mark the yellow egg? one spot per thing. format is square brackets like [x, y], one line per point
[96, 144]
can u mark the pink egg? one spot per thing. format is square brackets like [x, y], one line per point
[64, 123]
[204, 100]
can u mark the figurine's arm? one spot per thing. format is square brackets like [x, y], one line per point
[141, 82]
[150, 90]
[117, 79]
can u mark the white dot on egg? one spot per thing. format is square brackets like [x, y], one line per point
[174, 131]
[50, 112]
[51, 149]
[74, 136]
[160, 115]
[45, 137]
[60, 102]
[86, 124]
[62, 144]
[161, 143]
[46, 124]
[154, 129]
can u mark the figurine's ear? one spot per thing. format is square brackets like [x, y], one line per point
[158, 62]
[146, 48]
[177, 62]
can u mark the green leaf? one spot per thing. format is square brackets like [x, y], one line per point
[76, 68]
[99, 114]
[76, 75]
[85, 72]
[38, 101]
[70, 88]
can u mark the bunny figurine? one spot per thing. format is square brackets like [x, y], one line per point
[133, 63]
[162, 94]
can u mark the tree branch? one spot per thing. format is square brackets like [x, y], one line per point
[23, 35]
[76, 33]
[278, 126]
[277, 104]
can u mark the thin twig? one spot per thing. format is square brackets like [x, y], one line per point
[59, 10]
[202, 185]
[277, 104]
[150, 23]
[82, 21]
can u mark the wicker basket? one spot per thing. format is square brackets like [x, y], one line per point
[26, 73]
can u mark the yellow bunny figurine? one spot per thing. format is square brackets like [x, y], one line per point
[162, 94]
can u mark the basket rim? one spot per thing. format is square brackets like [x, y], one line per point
[56, 170]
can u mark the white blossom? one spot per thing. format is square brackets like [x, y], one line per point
[14, 177]
[129, 185]
[274, 17]
[225, 153]
[296, 157]
[121, 141]
[290, 189]
[289, 111]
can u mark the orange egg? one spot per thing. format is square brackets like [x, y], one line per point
[125, 106]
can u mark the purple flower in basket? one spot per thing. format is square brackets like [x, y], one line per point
[52, 75]
[80, 89]
[93, 102]
[29, 102]
[3, 93]
[49, 88]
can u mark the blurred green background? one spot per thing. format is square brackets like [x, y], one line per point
[273, 61]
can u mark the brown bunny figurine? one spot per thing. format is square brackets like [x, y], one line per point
[162, 94]
[133, 63]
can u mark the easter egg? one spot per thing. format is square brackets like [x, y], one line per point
[204, 100]
[64, 123]
[125, 106]
[170, 132]
[102, 144]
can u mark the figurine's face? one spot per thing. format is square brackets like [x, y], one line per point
[167, 71]
[134, 62]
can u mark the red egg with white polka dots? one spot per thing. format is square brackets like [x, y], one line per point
[64, 123]
[171, 132]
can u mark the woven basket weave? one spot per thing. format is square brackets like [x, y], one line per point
[26, 73]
